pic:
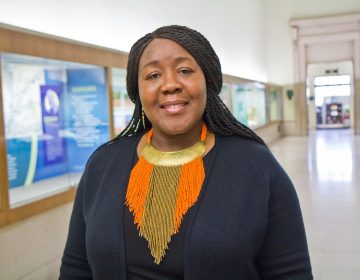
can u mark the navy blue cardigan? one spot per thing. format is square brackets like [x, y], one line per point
[247, 222]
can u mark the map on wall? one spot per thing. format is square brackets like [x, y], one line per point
[22, 109]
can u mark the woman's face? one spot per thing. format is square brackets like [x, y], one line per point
[172, 88]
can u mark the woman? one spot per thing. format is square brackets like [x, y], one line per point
[185, 191]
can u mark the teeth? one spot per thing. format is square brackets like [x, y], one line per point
[175, 106]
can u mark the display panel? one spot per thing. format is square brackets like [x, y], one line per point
[225, 96]
[122, 106]
[55, 116]
[274, 98]
[248, 102]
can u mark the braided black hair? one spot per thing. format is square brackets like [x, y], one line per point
[217, 116]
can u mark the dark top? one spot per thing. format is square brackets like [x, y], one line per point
[139, 262]
[246, 223]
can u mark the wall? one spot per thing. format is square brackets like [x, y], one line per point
[32, 249]
[234, 27]
[270, 132]
[279, 51]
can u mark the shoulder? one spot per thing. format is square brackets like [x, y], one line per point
[113, 149]
[249, 154]
[111, 158]
[242, 148]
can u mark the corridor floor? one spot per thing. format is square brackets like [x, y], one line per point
[325, 169]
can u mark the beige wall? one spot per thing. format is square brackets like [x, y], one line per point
[236, 28]
[279, 49]
[289, 104]
[270, 132]
[31, 250]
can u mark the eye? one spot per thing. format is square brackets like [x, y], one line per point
[153, 76]
[185, 71]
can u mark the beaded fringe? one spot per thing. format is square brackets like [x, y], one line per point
[159, 197]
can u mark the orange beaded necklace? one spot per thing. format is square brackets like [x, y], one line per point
[162, 187]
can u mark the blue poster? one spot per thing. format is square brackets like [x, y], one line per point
[54, 150]
[40, 156]
[74, 122]
[87, 119]
[18, 160]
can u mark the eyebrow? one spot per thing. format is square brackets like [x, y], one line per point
[177, 60]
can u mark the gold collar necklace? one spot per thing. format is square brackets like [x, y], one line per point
[162, 187]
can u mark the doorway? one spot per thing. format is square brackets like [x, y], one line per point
[334, 40]
[330, 95]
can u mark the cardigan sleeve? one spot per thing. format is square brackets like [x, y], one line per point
[284, 253]
[74, 264]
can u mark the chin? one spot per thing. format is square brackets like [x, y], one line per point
[175, 131]
[178, 127]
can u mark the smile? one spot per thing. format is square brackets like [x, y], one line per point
[173, 107]
[176, 106]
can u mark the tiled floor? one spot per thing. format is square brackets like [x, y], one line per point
[325, 169]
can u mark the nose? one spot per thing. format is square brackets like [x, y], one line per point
[170, 84]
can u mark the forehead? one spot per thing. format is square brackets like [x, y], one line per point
[163, 49]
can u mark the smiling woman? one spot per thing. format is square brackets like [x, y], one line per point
[172, 92]
[185, 191]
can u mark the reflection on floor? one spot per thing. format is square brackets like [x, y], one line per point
[325, 169]
[331, 126]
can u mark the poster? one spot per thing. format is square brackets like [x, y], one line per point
[53, 147]
[55, 117]
[87, 120]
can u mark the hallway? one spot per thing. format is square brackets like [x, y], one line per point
[325, 169]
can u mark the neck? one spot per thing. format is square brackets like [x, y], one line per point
[170, 143]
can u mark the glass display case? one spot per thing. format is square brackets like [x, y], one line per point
[225, 95]
[248, 103]
[274, 103]
[55, 100]
[122, 106]
[55, 116]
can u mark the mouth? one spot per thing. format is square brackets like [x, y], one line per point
[173, 107]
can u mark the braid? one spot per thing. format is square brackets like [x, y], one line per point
[217, 116]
